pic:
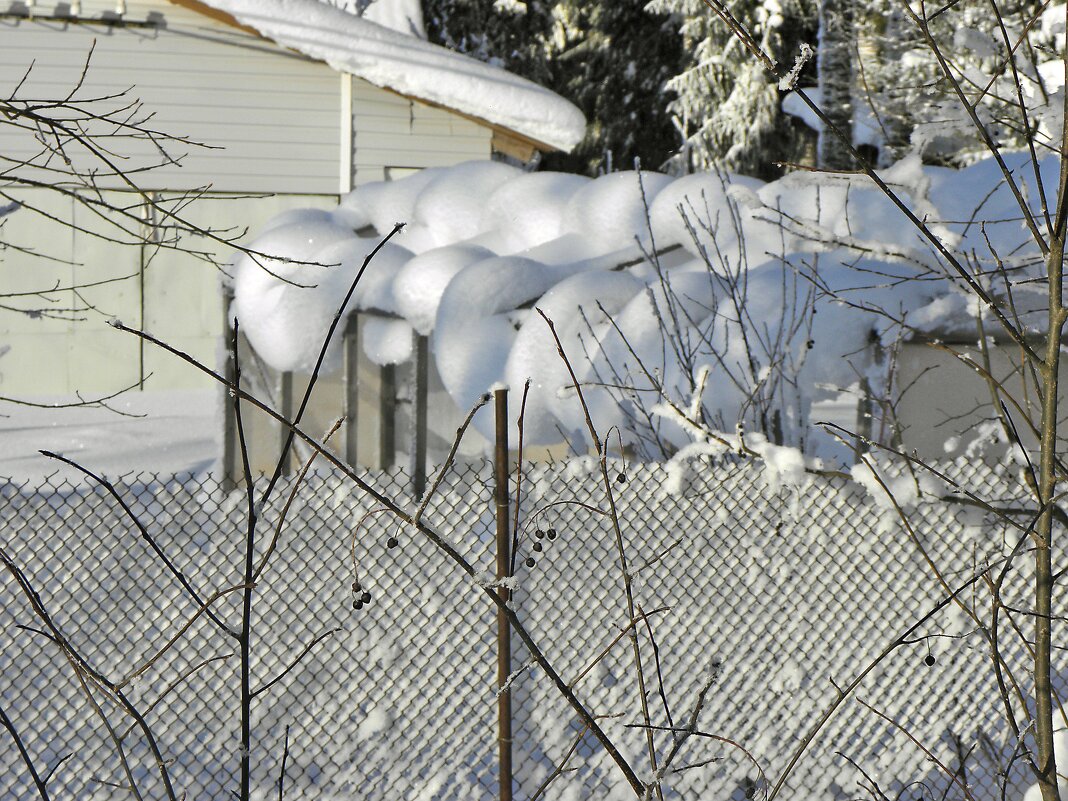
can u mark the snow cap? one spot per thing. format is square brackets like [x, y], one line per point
[487, 246]
[412, 67]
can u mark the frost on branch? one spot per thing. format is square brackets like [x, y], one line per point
[485, 580]
[789, 81]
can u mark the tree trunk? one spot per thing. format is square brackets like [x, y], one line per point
[1047, 492]
[836, 82]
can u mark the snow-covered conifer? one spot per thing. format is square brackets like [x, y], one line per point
[611, 59]
[728, 108]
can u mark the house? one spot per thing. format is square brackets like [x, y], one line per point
[294, 102]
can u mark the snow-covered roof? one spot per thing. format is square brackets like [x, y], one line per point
[412, 67]
[403, 16]
[485, 242]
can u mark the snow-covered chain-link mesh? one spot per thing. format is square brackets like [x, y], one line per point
[782, 595]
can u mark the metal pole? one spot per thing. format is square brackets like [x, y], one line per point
[387, 416]
[285, 393]
[229, 454]
[351, 349]
[504, 634]
[419, 413]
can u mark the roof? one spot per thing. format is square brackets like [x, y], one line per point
[409, 66]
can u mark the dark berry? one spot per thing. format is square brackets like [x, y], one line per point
[538, 534]
[355, 586]
[551, 533]
[366, 597]
[929, 660]
[391, 542]
[621, 478]
[530, 561]
[357, 605]
[537, 547]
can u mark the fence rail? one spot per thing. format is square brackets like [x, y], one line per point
[777, 597]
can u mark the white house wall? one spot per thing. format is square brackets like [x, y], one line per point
[170, 293]
[271, 116]
[282, 129]
[946, 405]
[393, 133]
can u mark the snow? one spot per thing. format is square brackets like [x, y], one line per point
[375, 722]
[174, 431]
[450, 206]
[866, 129]
[893, 485]
[422, 281]
[388, 341]
[611, 209]
[783, 466]
[531, 208]
[285, 313]
[678, 212]
[475, 326]
[486, 244]
[789, 81]
[1060, 745]
[412, 67]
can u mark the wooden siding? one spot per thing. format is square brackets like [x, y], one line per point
[271, 114]
[395, 132]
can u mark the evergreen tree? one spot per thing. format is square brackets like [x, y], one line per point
[615, 66]
[612, 59]
[728, 107]
[507, 33]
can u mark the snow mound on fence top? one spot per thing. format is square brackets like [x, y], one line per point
[413, 67]
[643, 275]
[286, 303]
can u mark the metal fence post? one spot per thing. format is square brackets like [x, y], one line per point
[229, 450]
[285, 408]
[418, 391]
[504, 633]
[351, 348]
[387, 416]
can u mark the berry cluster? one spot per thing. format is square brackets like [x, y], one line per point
[359, 599]
[538, 547]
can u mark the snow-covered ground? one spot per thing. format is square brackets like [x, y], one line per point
[158, 432]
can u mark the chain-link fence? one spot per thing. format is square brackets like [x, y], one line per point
[780, 598]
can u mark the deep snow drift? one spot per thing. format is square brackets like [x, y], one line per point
[719, 287]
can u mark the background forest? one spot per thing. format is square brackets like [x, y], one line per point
[666, 82]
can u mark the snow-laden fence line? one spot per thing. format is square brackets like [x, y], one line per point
[780, 596]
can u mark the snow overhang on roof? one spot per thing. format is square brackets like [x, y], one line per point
[409, 66]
